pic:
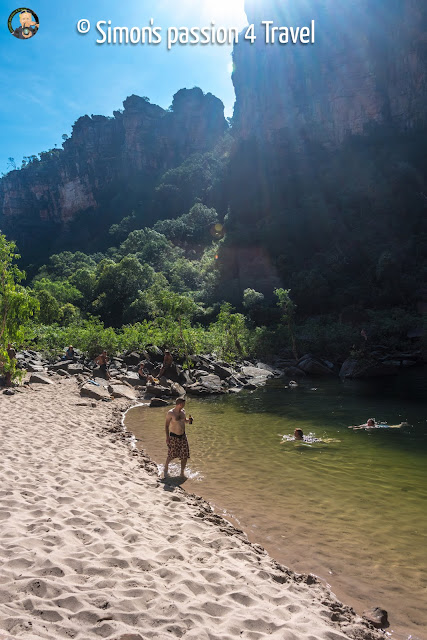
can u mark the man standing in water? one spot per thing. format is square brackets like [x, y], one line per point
[176, 438]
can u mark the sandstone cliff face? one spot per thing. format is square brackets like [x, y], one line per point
[106, 156]
[368, 65]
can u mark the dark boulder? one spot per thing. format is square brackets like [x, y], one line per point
[158, 390]
[153, 353]
[64, 364]
[133, 358]
[367, 368]
[314, 367]
[377, 617]
[294, 372]
[222, 371]
[158, 402]
[37, 378]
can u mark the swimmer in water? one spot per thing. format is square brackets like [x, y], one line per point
[300, 437]
[371, 424]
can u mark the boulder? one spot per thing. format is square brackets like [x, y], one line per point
[294, 372]
[250, 386]
[64, 364]
[158, 390]
[207, 384]
[267, 367]
[185, 377]
[62, 372]
[122, 391]
[148, 365]
[75, 369]
[197, 373]
[153, 353]
[174, 372]
[177, 390]
[222, 371]
[96, 392]
[256, 374]
[314, 367]
[377, 617]
[232, 381]
[131, 378]
[133, 358]
[197, 389]
[367, 368]
[158, 402]
[34, 368]
[38, 379]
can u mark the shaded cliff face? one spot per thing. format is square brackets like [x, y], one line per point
[368, 66]
[107, 162]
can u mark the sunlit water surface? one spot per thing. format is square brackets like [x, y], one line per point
[352, 510]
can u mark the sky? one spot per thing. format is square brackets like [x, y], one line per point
[52, 79]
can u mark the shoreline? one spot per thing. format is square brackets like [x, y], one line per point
[197, 554]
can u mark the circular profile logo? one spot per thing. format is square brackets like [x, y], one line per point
[23, 23]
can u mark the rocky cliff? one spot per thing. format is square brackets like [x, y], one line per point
[107, 162]
[368, 65]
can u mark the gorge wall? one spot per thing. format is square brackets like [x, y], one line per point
[107, 162]
[367, 68]
[368, 65]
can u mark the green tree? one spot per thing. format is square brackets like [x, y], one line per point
[288, 315]
[118, 286]
[230, 332]
[49, 308]
[192, 227]
[61, 290]
[17, 306]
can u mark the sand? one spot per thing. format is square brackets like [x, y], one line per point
[94, 545]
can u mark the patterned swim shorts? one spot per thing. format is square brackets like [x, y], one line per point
[178, 447]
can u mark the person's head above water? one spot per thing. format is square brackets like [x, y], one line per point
[298, 434]
[370, 422]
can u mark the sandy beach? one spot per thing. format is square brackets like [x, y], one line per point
[94, 545]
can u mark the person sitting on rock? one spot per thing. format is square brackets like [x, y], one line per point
[142, 372]
[103, 361]
[167, 363]
[69, 354]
